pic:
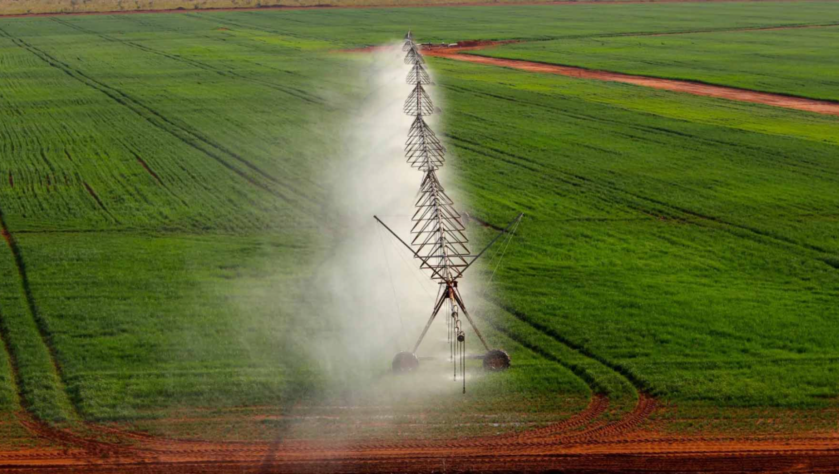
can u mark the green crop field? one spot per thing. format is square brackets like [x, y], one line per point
[167, 201]
[796, 62]
[21, 7]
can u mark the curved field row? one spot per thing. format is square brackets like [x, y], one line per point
[689, 454]
[89, 439]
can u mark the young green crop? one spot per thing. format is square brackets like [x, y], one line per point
[796, 62]
[164, 184]
[17, 7]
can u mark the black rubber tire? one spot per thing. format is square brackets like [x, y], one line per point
[496, 360]
[404, 362]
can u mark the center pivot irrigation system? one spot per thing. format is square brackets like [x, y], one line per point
[438, 239]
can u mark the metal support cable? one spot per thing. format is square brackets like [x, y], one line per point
[393, 287]
[499, 263]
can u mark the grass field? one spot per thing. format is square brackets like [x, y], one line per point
[20, 7]
[796, 62]
[168, 212]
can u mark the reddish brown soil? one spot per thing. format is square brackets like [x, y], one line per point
[418, 4]
[689, 87]
[634, 451]
[148, 169]
[623, 445]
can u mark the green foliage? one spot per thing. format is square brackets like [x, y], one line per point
[8, 395]
[34, 371]
[797, 62]
[663, 246]
[16, 7]
[165, 188]
[374, 26]
[170, 320]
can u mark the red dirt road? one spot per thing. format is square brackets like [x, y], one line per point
[579, 444]
[639, 451]
[689, 87]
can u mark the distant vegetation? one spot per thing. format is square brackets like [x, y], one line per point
[14, 7]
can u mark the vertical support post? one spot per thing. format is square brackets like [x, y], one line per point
[435, 311]
[469, 318]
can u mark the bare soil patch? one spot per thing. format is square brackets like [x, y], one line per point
[582, 443]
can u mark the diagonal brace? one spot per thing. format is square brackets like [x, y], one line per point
[501, 233]
[424, 260]
[443, 296]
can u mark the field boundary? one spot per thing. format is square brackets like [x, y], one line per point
[418, 4]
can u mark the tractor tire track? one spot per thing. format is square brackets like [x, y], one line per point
[643, 387]
[597, 406]
[134, 20]
[603, 446]
[225, 21]
[645, 407]
[148, 169]
[40, 323]
[95, 197]
[195, 63]
[579, 180]
[4, 329]
[606, 456]
[645, 132]
[69, 438]
[183, 133]
[226, 73]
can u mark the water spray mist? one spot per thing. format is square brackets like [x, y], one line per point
[438, 234]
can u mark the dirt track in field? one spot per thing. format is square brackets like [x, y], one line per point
[689, 87]
[582, 443]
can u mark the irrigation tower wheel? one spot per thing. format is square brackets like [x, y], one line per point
[404, 362]
[496, 360]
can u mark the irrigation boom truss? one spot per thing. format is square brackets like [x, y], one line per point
[438, 234]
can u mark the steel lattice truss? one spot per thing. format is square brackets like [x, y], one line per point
[438, 238]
